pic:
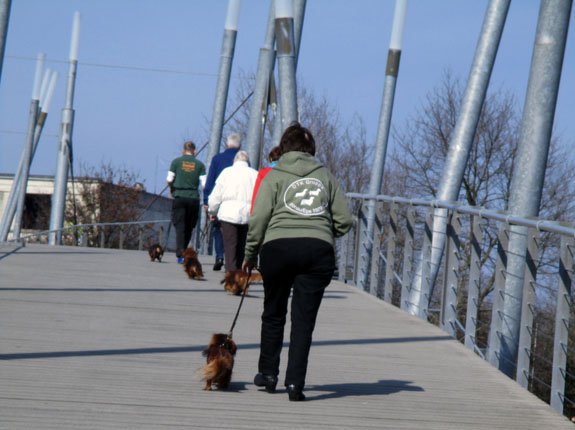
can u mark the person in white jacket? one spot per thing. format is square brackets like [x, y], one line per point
[230, 202]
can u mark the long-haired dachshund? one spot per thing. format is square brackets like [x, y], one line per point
[236, 281]
[219, 361]
[191, 264]
[156, 252]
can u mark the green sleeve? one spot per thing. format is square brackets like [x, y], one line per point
[341, 216]
[174, 166]
[259, 220]
[202, 169]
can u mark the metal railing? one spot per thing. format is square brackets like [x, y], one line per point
[467, 298]
[121, 235]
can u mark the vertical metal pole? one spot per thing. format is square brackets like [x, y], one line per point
[464, 132]
[451, 276]
[299, 12]
[4, 20]
[407, 256]
[473, 283]
[21, 174]
[527, 312]
[226, 59]
[13, 197]
[390, 254]
[531, 158]
[562, 321]
[259, 99]
[22, 179]
[284, 27]
[498, 291]
[65, 149]
[391, 73]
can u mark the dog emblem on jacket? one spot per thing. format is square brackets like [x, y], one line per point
[236, 281]
[156, 252]
[219, 361]
[191, 264]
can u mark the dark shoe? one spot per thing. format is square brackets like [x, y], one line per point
[219, 264]
[295, 393]
[267, 381]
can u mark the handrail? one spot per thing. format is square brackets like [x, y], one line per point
[78, 226]
[533, 222]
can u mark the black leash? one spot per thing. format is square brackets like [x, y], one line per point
[240, 306]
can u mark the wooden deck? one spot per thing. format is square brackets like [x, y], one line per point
[105, 339]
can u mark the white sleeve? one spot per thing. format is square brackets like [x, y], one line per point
[171, 176]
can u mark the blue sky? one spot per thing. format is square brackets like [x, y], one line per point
[139, 118]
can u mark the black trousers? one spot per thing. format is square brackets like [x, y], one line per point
[185, 214]
[307, 265]
[234, 236]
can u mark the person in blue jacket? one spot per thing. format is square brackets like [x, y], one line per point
[219, 163]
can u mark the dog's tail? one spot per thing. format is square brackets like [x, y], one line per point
[215, 368]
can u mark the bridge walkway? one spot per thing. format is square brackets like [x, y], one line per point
[105, 339]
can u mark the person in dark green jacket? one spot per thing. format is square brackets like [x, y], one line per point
[297, 213]
[184, 179]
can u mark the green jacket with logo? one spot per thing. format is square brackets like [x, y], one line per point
[299, 197]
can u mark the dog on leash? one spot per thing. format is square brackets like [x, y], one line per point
[219, 361]
[192, 265]
[156, 252]
[236, 281]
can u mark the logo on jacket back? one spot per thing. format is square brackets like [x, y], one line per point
[306, 197]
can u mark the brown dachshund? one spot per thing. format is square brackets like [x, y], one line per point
[219, 361]
[191, 264]
[237, 280]
[156, 252]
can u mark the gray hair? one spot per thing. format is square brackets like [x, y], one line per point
[242, 156]
[234, 141]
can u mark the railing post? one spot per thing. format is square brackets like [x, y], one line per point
[390, 255]
[360, 239]
[343, 251]
[426, 266]
[527, 310]
[161, 236]
[451, 277]
[375, 260]
[121, 245]
[562, 320]
[102, 237]
[498, 291]
[474, 283]
[407, 256]
[84, 239]
[140, 238]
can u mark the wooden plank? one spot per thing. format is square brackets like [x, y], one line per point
[95, 338]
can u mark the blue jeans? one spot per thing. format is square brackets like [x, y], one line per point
[218, 240]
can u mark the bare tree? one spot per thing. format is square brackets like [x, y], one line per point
[105, 194]
[341, 146]
[422, 145]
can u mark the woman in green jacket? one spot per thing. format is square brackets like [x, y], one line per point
[298, 212]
